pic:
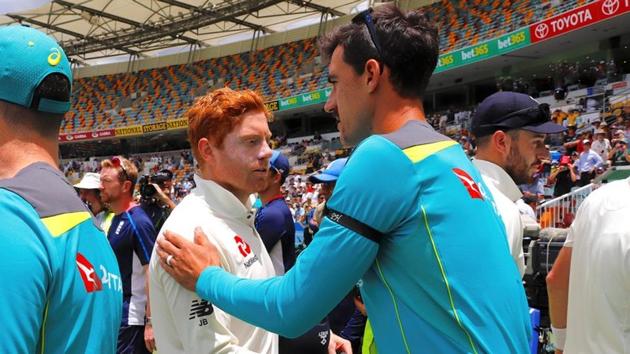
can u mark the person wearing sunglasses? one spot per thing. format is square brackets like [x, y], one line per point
[409, 216]
[131, 236]
[510, 130]
[60, 291]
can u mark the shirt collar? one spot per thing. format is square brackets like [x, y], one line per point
[499, 178]
[222, 201]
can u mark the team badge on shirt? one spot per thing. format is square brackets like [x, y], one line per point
[471, 186]
[246, 251]
[90, 279]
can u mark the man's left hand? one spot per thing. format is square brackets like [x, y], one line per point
[149, 340]
[188, 259]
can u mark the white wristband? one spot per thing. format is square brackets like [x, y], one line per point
[559, 337]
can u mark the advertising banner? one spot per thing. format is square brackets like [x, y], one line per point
[306, 99]
[488, 49]
[87, 135]
[577, 18]
[128, 131]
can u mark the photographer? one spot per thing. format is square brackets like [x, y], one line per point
[620, 155]
[155, 196]
[564, 177]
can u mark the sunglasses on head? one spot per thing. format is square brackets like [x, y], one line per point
[365, 17]
[117, 162]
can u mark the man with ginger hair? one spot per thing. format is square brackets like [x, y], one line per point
[229, 135]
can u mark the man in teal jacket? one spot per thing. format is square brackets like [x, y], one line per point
[61, 289]
[409, 215]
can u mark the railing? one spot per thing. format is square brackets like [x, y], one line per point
[560, 212]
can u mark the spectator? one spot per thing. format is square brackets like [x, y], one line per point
[60, 291]
[327, 180]
[587, 164]
[588, 285]
[563, 177]
[601, 145]
[618, 134]
[90, 194]
[620, 154]
[131, 236]
[570, 140]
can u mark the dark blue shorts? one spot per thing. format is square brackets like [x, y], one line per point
[131, 340]
[315, 341]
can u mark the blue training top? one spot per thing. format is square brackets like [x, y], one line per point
[132, 238]
[61, 289]
[411, 216]
[275, 225]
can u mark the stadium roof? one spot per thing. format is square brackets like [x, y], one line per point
[90, 30]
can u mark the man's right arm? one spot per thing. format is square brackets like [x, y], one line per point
[26, 274]
[340, 254]
[558, 278]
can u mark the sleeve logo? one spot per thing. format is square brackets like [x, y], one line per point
[90, 279]
[199, 309]
[471, 186]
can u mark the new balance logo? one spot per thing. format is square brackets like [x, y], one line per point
[199, 309]
[90, 279]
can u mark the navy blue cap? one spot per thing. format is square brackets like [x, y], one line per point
[512, 110]
[280, 163]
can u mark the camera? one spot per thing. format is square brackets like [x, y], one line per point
[145, 183]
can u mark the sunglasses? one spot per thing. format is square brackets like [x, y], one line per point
[365, 17]
[117, 162]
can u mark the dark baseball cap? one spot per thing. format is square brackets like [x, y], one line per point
[511, 110]
[280, 163]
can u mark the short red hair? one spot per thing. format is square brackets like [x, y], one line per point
[214, 115]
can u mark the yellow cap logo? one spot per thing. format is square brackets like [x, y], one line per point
[55, 57]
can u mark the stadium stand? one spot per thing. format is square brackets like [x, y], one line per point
[125, 99]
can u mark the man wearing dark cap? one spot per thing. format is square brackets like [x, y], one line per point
[61, 290]
[273, 221]
[570, 140]
[155, 197]
[510, 129]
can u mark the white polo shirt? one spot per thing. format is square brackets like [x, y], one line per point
[505, 194]
[598, 313]
[185, 323]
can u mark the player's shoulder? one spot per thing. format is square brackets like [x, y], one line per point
[45, 189]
